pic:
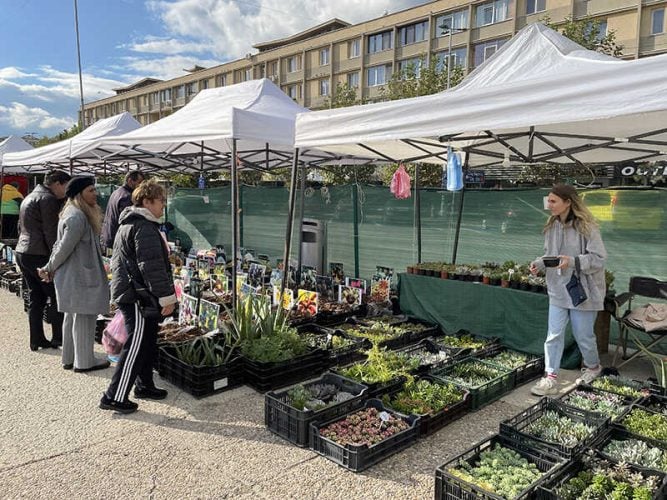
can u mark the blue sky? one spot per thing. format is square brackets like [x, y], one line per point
[123, 41]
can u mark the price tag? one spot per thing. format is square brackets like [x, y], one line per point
[384, 416]
[205, 199]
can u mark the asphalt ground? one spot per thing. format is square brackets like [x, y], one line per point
[56, 443]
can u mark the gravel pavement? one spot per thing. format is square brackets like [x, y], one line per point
[56, 443]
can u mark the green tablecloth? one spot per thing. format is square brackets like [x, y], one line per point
[518, 318]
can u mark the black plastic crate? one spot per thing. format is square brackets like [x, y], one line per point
[427, 346]
[482, 394]
[621, 423]
[491, 348]
[405, 339]
[548, 490]
[376, 389]
[532, 369]
[620, 434]
[293, 425]
[341, 355]
[626, 402]
[450, 487]
[326, 318]
[655, 403]
[268, 376]
[358, 458]
[640, 387]
[513, 428]
[430, 423]
[199, 380]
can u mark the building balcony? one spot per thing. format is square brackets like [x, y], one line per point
[412, 50]
[654, 44]
[458, 39]
[556, 16]
[294, 77]
[583, 8]
[347, 65]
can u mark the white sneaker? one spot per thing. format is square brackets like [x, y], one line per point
[589, 374]
[544, 387]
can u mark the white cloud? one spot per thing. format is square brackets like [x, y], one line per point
[165, 67]
[230, 28]
[12, 73]
[154, 45]
[20, 117]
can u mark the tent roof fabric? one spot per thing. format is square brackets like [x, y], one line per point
[60, 153]
[541, 99]
[13, 144]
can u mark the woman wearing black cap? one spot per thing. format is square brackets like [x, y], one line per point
[77, 270]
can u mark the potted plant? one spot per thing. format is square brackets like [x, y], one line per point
[445, 270]
[486, 276]
[494, 278]
[505, 279]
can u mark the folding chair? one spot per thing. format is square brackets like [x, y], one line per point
[643, 287]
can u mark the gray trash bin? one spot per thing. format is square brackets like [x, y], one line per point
[314, 245]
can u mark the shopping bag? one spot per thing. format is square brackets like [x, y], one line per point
[115, 334]
[400, 183]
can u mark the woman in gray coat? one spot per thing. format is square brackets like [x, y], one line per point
[77, 270]
[572, 234]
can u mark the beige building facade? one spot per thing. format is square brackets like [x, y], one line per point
[308, 66]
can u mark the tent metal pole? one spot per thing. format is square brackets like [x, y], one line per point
[2, 185]
[460, 214]
[418, 218]
[355, 221]
[240, 187]
[290, 220]
[234, 215]
[301, 211]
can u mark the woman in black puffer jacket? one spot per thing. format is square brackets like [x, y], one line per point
[143, 289]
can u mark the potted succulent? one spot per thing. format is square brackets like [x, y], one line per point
[445, 270]
[486, 276]
[505, 279]
[495, 278]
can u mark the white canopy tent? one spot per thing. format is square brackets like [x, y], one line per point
[13, 144]
[252, 120]
[541, 99]
[77, 153]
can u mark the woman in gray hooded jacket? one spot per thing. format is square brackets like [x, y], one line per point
[572, 234]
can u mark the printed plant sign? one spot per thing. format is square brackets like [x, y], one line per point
[256, 274]
[385, 272]
[324, 287]
[288, 299]
[219, 269]
[247, 289]
[380, 289]
[219, 283]
[187, 313]
[356, 283]
[308, 278]
[203, 269]
[208, 315]
[276, 278]
[336, 272]
[241, 278]
[306, 302]
[275, 296]
[178, 288]
[349, 295]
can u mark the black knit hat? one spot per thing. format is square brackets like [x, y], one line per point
[78, 184]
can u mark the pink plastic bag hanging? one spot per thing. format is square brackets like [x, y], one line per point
[115, 334]
[400, 183]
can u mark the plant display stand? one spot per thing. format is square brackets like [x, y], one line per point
[199, 380]
[449, 486]
[358, 458]
[281, 418]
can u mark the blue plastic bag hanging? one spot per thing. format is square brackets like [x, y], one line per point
[454, 171]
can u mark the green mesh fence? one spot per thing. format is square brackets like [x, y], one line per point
[496, 225]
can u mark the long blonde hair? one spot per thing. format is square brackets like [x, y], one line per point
[93, 213]
[581, 217]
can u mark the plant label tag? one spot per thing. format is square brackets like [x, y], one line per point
[384, 416]
[329, 339]
[220, 383]
[205, 198]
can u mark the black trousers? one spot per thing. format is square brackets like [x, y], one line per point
[138, 355]
[38, 294]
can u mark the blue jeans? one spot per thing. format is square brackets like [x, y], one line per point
[582, 329]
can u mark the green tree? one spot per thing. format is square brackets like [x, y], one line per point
[410, 82]
[587, 33]
[65, 134]
[343, 96]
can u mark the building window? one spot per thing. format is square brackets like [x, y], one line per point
[409, 66]
[247, 74]
[413, 33]
[324, 87]
[191, 88]
[485, 50]
[221, 80]
[454, 21]
[292, 91]
[533, 6]
[203, 84]
[458, 58]
[273, 69]
[262, 70]
[601, 27]
[378, 75]
[180, 91]
[354, 48]
[145, 100]
[657, 21]
[293, 64]
[379, 42]
[353, 79]
[492, 12]
[165, 95]
[324, 56]
[155, 97]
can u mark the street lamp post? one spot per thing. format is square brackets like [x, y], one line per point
[78, 54]
[451, 31]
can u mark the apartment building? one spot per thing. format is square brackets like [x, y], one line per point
[309, 65]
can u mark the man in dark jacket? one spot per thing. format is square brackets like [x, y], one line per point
[120, 199]
[38, 227]
[143, 289]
